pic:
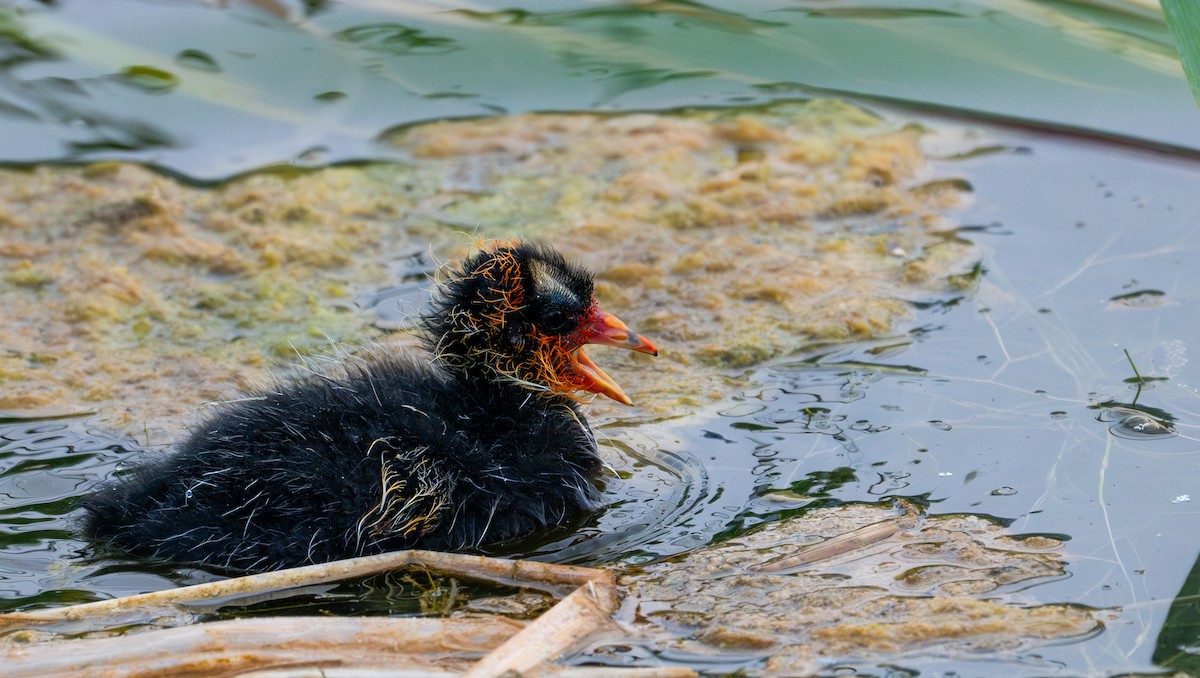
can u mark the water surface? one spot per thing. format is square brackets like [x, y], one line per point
[1009, 399]
[207, 92]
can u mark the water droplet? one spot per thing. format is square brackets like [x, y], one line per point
[396, 40]
[200, 61]
[939, 425]
[187, 494]
[150, 79]
[315, 155]
[1004, 491]
[742, 410]
[866, 426]
[1183, 498]
[945, 474]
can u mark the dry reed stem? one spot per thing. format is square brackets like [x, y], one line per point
[500, 570]
[231, 647]
[307, 645]
[586, 610]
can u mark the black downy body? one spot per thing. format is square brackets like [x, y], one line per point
[432, 449]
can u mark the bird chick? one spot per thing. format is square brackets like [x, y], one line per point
[475, 440]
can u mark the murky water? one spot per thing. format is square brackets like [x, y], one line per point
[1014, 399]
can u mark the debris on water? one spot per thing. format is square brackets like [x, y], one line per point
[788, 498]
[855, 582]
[1139, 299]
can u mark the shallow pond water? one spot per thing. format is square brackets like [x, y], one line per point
[998, 401]
[1013, 399]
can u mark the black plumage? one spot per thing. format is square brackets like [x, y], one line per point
[477, 440]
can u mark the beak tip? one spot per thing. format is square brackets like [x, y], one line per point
[618, 394]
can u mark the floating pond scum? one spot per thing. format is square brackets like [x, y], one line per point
[923, 279]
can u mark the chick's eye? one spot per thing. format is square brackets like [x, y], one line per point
[555, 320]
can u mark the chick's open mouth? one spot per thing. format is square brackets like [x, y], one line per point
[595, 380]
[606, 328]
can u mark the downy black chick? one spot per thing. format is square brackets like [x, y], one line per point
[476, 440]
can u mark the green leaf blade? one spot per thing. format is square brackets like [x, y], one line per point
[1183, 18]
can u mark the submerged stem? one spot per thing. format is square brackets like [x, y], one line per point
[1141, 381]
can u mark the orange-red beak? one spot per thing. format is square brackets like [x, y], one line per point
[608, 329]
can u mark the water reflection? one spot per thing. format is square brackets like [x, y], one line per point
[44, 467]
[210, 91]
